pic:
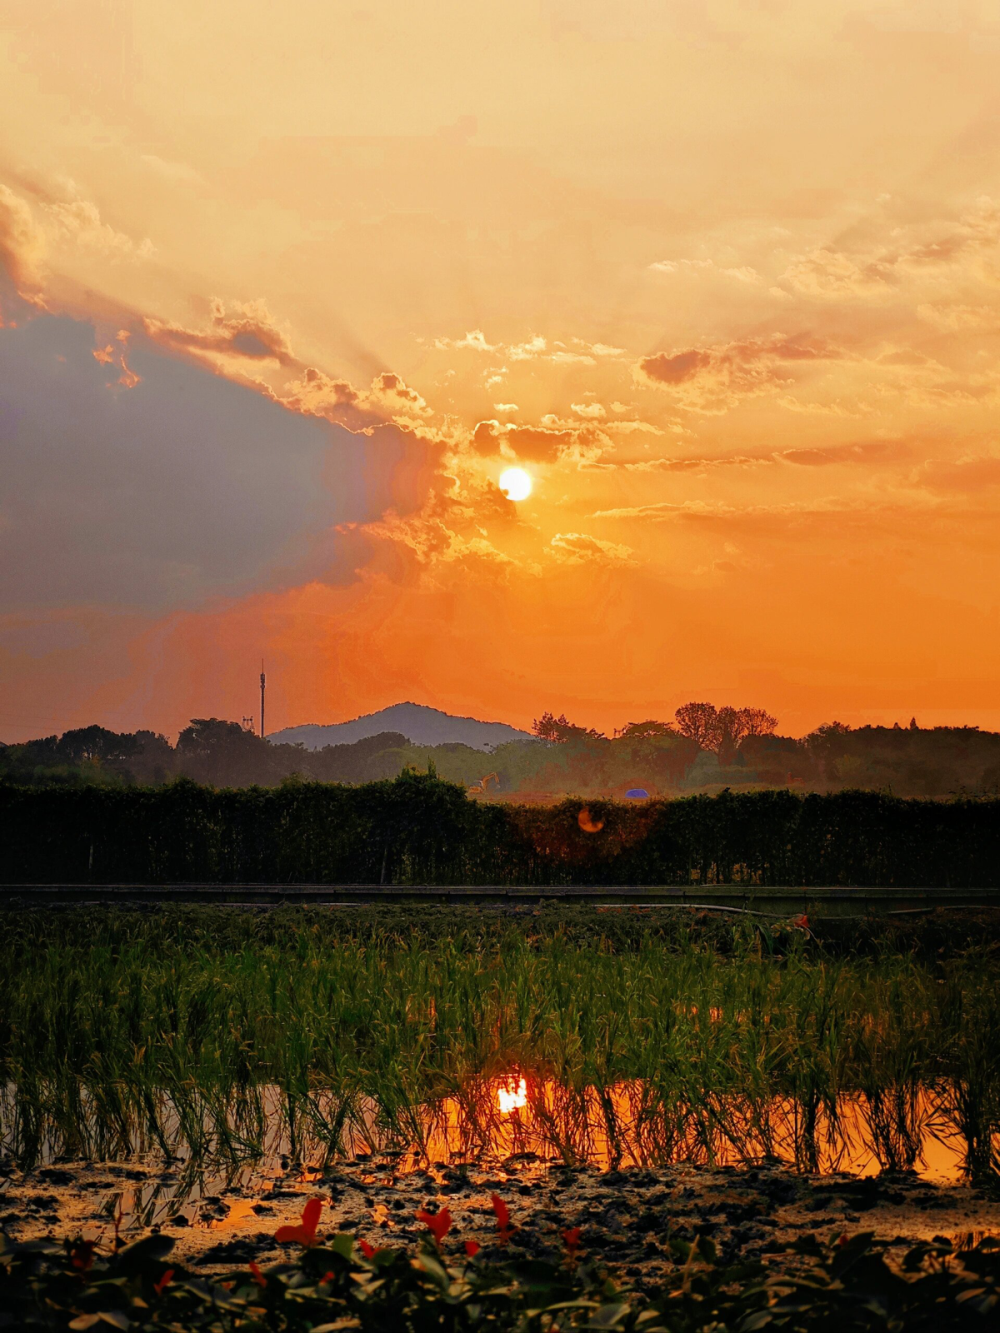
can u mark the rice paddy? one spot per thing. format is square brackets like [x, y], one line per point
[227, 1038]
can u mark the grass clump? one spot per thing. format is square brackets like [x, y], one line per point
[209, 1032]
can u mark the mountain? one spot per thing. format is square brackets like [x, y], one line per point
[419, 724]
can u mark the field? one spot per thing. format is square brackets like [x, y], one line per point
[650, 1076]
[639, 1036]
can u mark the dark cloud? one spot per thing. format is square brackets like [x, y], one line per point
[160, 495]
[679, 367]
[531, 444]
[245, 331]
[712, 379]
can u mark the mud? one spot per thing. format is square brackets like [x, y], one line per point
[626, 1217]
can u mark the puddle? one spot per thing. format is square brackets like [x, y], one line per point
[522, 1122]
[623, 1126]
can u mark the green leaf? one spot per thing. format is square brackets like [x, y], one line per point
[433, 1267]
[759, 1319]
[609, 1315]
[343, 1244]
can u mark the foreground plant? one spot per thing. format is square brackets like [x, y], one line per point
[336, 1285]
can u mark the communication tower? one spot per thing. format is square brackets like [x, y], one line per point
[263, 682]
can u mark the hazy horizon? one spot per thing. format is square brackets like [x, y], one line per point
[284, 294]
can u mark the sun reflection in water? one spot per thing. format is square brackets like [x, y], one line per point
[511, 1098]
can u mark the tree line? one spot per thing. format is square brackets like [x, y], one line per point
[702, 748]
[418, 829]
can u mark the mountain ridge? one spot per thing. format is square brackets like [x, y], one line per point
[419, 723]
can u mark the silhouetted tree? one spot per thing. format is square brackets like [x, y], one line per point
[758, 722]
[700, 723]
[645, 731]
[548, 727]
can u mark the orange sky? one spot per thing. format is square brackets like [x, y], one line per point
[286, 288]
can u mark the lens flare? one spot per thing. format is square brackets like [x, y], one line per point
[515, 483]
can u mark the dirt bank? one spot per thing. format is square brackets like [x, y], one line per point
[625, 1217]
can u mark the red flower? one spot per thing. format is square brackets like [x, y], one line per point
[472, 1248]
[81, 1256]
[305, 1232]
[503, 1218]
[367, 1250]
[258, 1276]
[164, 1282]
[572, 1238]
[438, 1223]
[802, 921]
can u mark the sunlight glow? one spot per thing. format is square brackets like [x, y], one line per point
[515, 483]
[511, 1099]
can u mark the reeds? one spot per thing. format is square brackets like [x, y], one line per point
[218, 1037]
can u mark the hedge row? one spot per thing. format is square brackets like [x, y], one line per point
[416, 829]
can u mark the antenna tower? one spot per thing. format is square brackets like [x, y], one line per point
[263, 682]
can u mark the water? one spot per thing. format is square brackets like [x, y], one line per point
[526, 1118]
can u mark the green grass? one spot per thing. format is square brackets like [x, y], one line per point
[201, 1030]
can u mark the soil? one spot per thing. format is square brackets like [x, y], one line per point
[625, 1216]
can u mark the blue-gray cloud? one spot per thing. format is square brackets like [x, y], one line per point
[162, 495]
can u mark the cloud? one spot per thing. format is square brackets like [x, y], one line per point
[963, 475]
[708, 268]
[951, 318]
[718, 510]
[535, 348]
[430, 540]
[590, 411]
[245, 331]
[22, 245]
[320, 395]
[600, 349]
[78, 221]
[451, 526]
[967, 248]
[867, 451]
[696, 464]
[577, 548]
[861, 452]
[573, 442]
[528, 351]
[184, 488]
[398, 397]
[475, 340]
[633, 428]
[116, 356]
[833, 274]
[713, 379]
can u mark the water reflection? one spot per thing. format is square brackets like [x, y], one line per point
[215, 1163]
[627, 1124]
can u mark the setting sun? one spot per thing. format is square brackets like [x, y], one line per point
[515, 483]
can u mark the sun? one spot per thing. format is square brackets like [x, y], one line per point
[515, 483]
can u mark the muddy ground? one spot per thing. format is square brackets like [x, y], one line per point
[626, 1216]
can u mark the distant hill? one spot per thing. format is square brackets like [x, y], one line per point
[419, 724]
